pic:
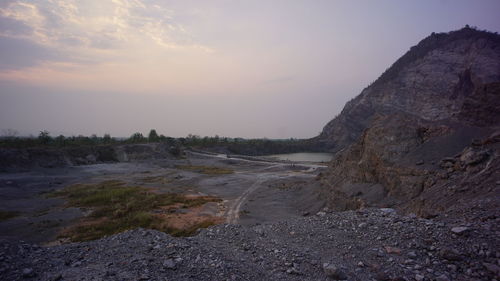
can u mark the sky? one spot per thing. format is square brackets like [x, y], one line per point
[253, 69]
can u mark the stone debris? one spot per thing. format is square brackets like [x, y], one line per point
[334, 272]
[330, 247]
[459, 229]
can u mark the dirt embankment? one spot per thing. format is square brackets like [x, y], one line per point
[22, 160]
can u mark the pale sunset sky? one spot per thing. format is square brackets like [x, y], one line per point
[274, 68]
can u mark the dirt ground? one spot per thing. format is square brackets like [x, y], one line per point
[256, 192]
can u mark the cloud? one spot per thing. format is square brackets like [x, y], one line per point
[11, 27]
[20, 53]
[87, 31]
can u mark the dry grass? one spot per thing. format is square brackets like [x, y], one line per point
[207, 170]
[5, 215]
[116, 207]
[156, 179]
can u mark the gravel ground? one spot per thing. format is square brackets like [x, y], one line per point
[371, 244]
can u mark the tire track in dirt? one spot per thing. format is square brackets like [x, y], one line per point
[233, 214]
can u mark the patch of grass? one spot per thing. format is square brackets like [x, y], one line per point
[42, 212]
[207, 170]
[117, 207]
[5, 215]
[157, 179]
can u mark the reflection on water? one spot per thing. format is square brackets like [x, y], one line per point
[304, 156]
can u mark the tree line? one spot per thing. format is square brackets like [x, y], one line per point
[216, 143]
[10, 139]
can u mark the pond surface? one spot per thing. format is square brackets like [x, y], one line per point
[304, 157]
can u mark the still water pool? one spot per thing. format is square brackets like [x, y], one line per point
[304, 156]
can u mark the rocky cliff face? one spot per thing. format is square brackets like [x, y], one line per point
[424, 136]
[431, 81]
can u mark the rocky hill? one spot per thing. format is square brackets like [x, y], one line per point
[431, 81]
[425, 136]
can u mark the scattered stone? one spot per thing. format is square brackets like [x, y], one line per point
[382, 276]
[459, 229]
[27, 272]
[495, 269]
[392, 250]
[293, 270]
[450, 254]
[419, 277]
[333, 272]
[169, 264]
[442, 277]
[57, 277]
[321, 214]
[387, 210]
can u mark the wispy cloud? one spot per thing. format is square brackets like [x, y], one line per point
[88, 31]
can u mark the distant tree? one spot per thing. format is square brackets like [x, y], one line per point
[170, 141]
[107, 138]
[9, 133]
[60, 140]
[153, 136]
[94, 139]
[44, 137]
[137, 138]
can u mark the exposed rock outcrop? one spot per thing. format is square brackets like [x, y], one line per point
[422, 137]
[434, 80]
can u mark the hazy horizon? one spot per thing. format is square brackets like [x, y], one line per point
[252, 69]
